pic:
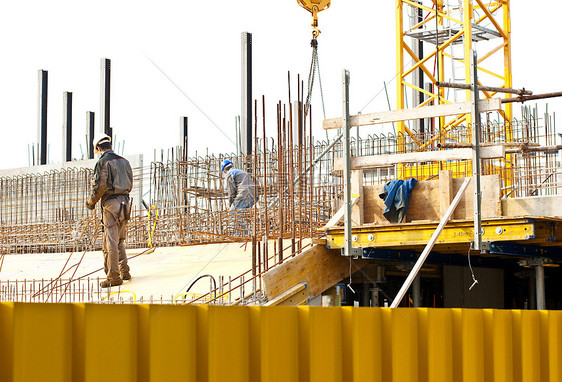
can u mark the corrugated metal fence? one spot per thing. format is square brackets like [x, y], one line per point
[91, 342]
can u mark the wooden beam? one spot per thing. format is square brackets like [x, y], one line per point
[357, 216]
[387, 160]
[445, 190]
[484, 105]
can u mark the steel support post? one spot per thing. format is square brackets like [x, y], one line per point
[538, 263]
[42, 117]
[246, 110]
[105, 91]
[475, 153]
[347, 249]
[90, 125]
[375, 296]
[67, 127]
[539, 276]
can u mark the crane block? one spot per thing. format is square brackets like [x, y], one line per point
[314, 6]
[309, 5]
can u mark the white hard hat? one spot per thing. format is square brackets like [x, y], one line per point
[100, 138]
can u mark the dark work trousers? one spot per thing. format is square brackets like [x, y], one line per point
[114, 235]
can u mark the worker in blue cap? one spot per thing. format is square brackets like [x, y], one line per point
[240, 187]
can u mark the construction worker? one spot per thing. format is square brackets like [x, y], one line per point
[112, 182]
[240, 187]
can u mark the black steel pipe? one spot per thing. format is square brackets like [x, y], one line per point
[532, 97]
[484, 88]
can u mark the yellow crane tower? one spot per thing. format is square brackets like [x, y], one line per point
[450, 30]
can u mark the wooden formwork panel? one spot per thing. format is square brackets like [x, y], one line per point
[318, 267]
[424, 203]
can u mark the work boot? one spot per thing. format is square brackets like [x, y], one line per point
[108, 283]
[126, 275]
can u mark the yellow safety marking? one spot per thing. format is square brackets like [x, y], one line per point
[151, 231]
[194, 296]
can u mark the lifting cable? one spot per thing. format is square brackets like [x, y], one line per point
[314, 67]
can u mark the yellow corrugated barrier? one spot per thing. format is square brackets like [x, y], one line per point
[97, 342]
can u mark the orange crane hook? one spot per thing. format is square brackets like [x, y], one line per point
[314, 6]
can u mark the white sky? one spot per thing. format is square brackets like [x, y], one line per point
[197, 44]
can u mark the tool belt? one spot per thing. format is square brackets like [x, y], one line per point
[124, 208]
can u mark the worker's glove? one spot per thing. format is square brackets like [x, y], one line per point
[90, 205]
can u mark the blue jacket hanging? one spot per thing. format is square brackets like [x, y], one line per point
[396, 194]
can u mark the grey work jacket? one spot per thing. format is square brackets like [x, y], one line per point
[240, 186]
[112, 176]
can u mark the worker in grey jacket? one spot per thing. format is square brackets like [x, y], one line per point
[240, 187]
[112, 182]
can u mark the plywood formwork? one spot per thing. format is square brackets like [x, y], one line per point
[319, 268]
[424, 203]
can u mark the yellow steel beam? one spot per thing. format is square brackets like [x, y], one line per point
[417, 59]
[491, 52]
[429, 10]
[422, 23]
[456, 232]
[492, 19]
[430, 55]
[508, 178]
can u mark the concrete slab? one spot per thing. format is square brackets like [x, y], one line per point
[166, 272]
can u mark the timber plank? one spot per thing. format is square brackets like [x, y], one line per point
[357, 217]
[388, 160]
[484, 105]
[445, 190]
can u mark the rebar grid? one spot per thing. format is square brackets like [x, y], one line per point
[88, 290]
[46, 212]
